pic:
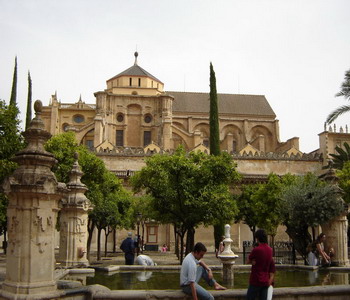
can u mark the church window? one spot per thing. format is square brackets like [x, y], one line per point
[120, 138]
[148, 118]
[139, 82]
[130, 81]
[147, 138]
[78, 119]
[120, 117]
[89, 144]
[234, 146]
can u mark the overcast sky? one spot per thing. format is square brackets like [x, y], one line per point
[295, 52]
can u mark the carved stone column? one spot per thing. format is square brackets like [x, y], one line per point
[33, 193]
[337, 238]
[336, 230]
[73, 221]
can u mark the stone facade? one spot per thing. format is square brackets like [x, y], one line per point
[135, 117]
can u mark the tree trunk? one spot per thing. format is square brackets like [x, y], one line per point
[107, 232]
[99, 230]
[301, 239]
[114, 240]
[190, 240]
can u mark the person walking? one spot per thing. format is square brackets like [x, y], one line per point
[261, 260]
[193, 268]
[128, 247]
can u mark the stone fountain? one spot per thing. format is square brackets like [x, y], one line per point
[227, 257]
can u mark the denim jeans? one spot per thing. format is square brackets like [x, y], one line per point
[254, 291]
[202, 293]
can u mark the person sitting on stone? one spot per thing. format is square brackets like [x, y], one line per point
[192, 270]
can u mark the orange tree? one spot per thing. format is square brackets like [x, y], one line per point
[188, 190]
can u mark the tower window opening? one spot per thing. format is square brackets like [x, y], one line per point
[139, 82]
[147, 138]
[130, 81]
[120, 138]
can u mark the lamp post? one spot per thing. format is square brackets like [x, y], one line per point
[138, 220]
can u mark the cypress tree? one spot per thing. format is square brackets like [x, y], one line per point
[14, 86]
[29, 102]
[219, 227]
[214, 116]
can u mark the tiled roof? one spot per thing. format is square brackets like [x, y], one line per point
[135, 70]
[228, 103]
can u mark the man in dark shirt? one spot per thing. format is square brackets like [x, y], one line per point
[128, 247]
[261, 260]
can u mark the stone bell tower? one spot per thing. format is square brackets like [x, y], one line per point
[33, 193]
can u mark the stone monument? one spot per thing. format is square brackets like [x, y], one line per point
[33, 193]
[227, 257]
[73, 221]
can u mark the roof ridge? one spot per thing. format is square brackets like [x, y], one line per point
[218, 93]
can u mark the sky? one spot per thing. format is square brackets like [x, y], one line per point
[295, 52]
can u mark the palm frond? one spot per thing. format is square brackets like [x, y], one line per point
[336, 113]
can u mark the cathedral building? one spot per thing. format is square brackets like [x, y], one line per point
[134, 117]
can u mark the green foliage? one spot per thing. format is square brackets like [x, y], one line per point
[112, 203]
[268, 203]
[11, 141]
[214, 115]
[29, 102]
[344, 92]
[308, 202]
[339, 158]
[188, 190]
[248, 207]
[344, 180]
[13, 99]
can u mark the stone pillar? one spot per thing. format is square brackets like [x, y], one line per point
[33, 193]
[336, 230]
[337, 238]
[227, 258]
[73, 221]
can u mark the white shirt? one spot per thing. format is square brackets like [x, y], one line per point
[144, 260]
[188, 269]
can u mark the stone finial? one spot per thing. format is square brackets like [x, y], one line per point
[76, 188]
[346, 128]
[341, 129]
[136, 54]
[335, 128]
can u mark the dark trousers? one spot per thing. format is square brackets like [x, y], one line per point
[254, 291]
[129, 258]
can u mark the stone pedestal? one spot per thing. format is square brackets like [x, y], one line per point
[73, 221]
[33, 193]
[227, 258]
[337, 238]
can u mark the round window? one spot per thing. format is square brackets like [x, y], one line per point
[78, 119]
[148, 119]
[120, 118]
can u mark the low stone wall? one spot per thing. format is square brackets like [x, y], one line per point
[340, 292]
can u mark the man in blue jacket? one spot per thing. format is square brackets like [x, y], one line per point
[128, 248]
